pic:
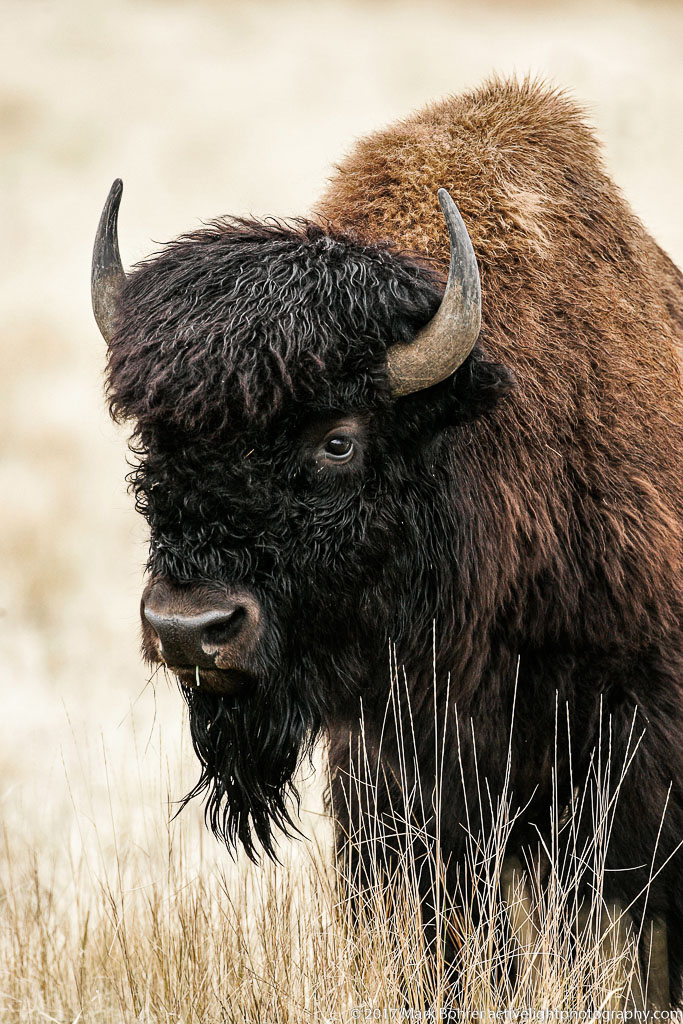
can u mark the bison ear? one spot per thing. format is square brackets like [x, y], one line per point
[476, 389]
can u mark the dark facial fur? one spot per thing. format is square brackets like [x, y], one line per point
[240, 349]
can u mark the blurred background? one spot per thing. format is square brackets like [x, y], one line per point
[206, 108]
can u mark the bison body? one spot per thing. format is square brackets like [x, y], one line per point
[515, 528]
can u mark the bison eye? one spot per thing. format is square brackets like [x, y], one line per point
[338, 449]
[334, 443]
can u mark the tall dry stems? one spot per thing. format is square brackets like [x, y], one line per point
[129, 921]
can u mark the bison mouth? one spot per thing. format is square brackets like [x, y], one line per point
[227, 681]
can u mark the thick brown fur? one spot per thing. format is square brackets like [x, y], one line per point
[584, 307]
[587, 310]
[576, 482]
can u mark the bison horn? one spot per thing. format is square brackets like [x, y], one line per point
[446, 341]
[108, 276]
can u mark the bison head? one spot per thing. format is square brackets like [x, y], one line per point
[293, 392]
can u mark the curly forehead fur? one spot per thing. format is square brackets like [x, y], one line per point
[234, 321]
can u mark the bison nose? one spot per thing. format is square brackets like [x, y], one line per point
[194, 639]
[189, 633]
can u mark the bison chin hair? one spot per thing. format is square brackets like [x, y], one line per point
[249, 752]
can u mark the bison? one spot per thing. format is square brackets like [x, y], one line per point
[369, 429]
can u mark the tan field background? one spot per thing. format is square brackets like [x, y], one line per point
[203, 108]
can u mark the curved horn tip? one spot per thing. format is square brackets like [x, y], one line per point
[115, 193]
[111, 207]
[444, 198]
[448, 205]
[116, 188]
[452, 216]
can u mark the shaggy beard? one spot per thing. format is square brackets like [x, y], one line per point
[249, 754]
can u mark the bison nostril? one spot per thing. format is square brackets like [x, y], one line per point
[203, 638]
[221, 630]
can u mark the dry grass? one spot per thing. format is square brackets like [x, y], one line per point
[143, 919]
[203, 108]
